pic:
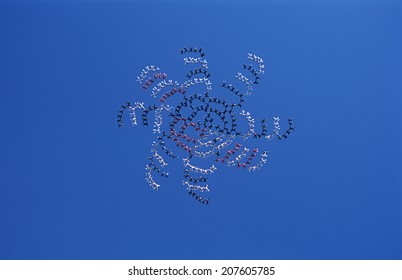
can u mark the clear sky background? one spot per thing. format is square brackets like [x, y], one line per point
[72, 184]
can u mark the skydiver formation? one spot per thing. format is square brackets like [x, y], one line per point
[200, 125]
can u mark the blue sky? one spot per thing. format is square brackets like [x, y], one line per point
[72, 184]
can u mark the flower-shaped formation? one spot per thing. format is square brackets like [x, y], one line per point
[192, 124]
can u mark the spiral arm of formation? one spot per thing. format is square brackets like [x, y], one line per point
[200, 125]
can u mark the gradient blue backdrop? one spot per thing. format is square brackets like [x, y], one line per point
[72, 184]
